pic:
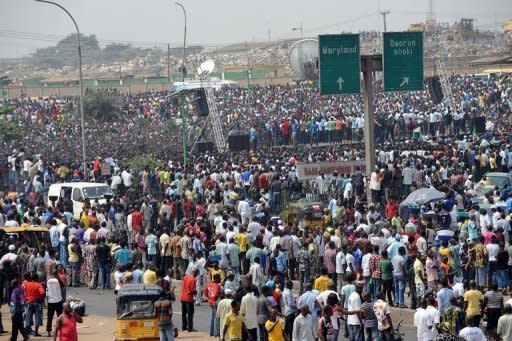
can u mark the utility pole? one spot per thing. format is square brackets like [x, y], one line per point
[183, 107]
[268, 33]
[384, 13]
[249, 75]
[168, 62]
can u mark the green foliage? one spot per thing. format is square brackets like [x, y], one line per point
[139, 162]
[101, 104]
[66, 52]
[10, 131]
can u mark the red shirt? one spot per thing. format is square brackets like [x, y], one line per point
[136, 220]
[96, 165]
[188, 288]
[391, 210]
[212, 291]
[34, 292]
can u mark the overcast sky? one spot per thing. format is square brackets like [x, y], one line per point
[26, 25]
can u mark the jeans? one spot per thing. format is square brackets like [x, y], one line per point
[385, 335]
[303, 279]
[276, 202]
[75, 273]
[53, 308]
[480, 276]
[399, 284]
[501, 278]
[375, 287]
[187, 315]
[355, 333]
[214, 323]
[387, 288]
[63, 253]
[371, 334]
[104, 274]
[33, 308]
[166, 334]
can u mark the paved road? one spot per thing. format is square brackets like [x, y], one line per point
[101, 303]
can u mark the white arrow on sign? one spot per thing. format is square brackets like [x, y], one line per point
[340, 82]
[405, 81]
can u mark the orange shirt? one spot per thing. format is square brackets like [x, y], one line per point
[188, 288]
[136, 220]
[212, 291]
[34, 292]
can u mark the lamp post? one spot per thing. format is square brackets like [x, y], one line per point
[183, 71]
[299, 29]
[183, 109]
[82, 116]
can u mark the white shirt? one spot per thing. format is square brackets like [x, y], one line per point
[349, 259]
[458, 290]
[53, 291]
[365, 264]
[492, 250]
[423, 321]
[472, 334]
[256, 273]
[303, 328]
[249, 309]
[127, 178]
[340, 263]
[354, 303]
[322, 297]
[243, 208]
[273, 243]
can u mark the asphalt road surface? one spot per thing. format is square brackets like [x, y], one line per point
[101, 304]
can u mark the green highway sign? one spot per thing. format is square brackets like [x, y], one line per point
[403, 61]
[339, 64]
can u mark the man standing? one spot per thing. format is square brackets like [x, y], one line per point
[234, 323]
[354, 319]
[212, 292]
[424, 322]
[104, 259]
[34, 295]
[165, 252]
[188, 293]
[163, 313]
[249, 309]
[290, 308]
[303, 326]
[66, 324]
[54, 295]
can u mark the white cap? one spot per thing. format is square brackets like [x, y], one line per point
[12, 247]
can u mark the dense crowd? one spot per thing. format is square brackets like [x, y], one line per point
[222, 224]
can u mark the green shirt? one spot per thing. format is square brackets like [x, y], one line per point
[387, 269]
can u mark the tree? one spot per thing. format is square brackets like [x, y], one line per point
[66, 53]
[10, 131]
[101, 104]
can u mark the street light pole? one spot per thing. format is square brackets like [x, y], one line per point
[82, 116]
[184, 41]
[183, 108]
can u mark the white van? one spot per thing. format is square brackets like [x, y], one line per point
[79, 193]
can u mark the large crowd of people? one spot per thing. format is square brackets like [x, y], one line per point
[220, 223]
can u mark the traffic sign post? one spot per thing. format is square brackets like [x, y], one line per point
[403, 61]
[339, 64]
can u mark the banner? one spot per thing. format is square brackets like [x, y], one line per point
[307, 171]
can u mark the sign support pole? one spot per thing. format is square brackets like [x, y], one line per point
[369, 65]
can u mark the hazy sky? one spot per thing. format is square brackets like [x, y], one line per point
[26, 24]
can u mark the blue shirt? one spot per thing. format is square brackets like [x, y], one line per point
[137, 276]
[281, 261]
[443, 299]
[123, 256]
[309, 298]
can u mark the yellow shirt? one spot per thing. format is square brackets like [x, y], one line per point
[73, 256]
[473, 297]
[321, 283]
[277, 333]
[242, 241]
[234, 325]
[212, 272]
[149, 277]
[85, 220]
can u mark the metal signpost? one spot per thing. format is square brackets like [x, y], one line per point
[339, 64]
[403, 61]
